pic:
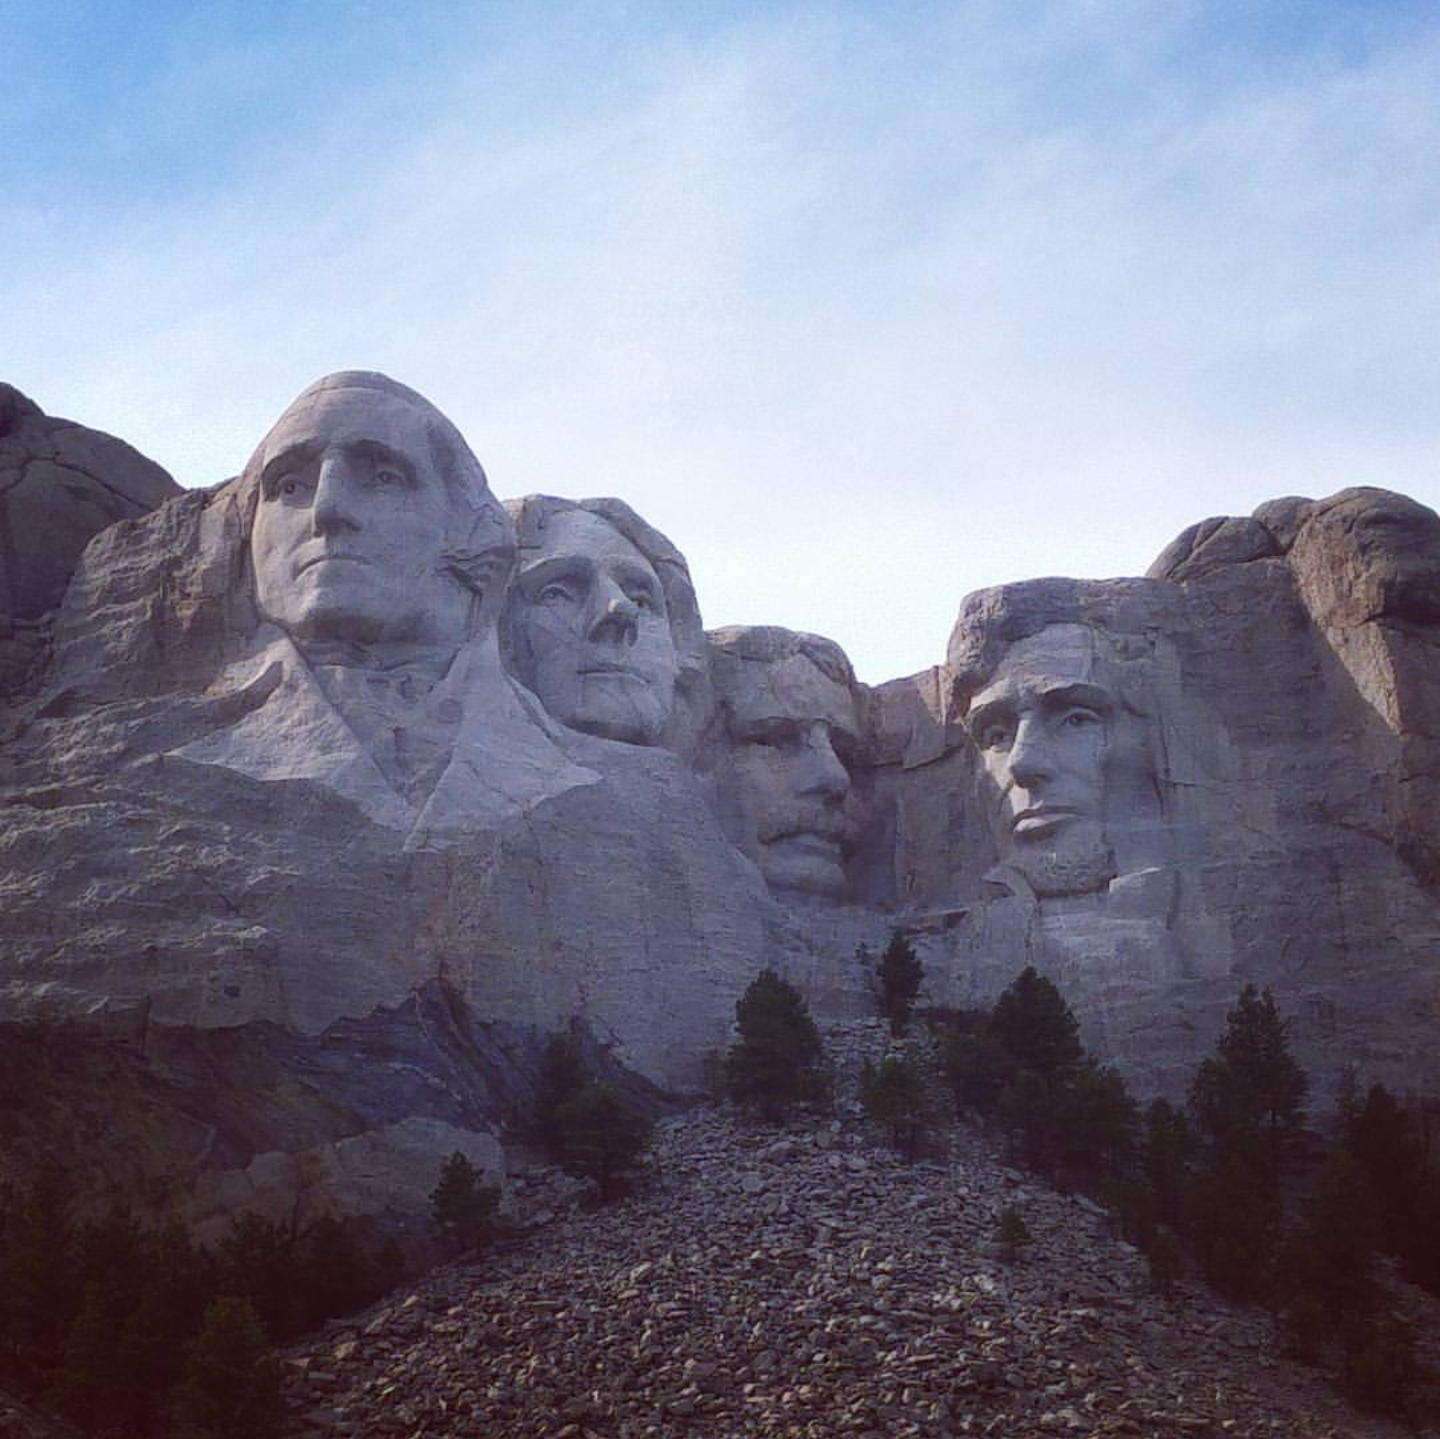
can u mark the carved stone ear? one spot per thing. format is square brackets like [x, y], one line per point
[485, 561]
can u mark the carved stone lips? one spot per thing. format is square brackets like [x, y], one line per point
[311, 561]
[809, 842]
[610, 667]
[1041, 819]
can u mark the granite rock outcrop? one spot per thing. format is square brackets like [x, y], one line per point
[310, 759]
[60, 484]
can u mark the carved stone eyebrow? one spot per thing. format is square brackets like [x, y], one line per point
[378, 452]
[559, 567]
[1087, 696]
[999, 709]
[299, 453]
[631, 574]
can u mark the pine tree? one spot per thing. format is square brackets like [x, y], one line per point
[1025, 1064]
[257, 1262]
[1250, 1095]
[463, 1205]
[1168, 1145]
[777, 1061]
[562, 1074]
[1035, 1025]
[894, 1095]
[40, 1292]
[602, 1137]
[1245, 1104]
[230, 1388]
[1379, 1136]
[1330, 1253]
[89, 1380]
[900, 975]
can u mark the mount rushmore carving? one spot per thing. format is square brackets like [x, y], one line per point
[304, 751]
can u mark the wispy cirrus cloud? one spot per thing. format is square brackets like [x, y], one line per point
[865, 308]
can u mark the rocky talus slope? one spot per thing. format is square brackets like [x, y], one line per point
[810, 1282]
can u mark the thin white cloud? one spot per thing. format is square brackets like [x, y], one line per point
[864, 313]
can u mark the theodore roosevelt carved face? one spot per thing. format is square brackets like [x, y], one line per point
[791, 727]
[367, 497]
[590, 630]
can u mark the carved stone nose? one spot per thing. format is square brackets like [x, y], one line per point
[332, 508]
[618, 620]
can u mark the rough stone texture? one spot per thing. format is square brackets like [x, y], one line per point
[282, 779]
[60, 484]
[806, 1281]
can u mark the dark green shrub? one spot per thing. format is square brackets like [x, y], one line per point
[894, 1096]
[900, 974]
[777, 1061]
[1380, 1366]
[1166, 1258]
[463, 1205]
[1013, 1233]
[562, 1074]
[230, 1388]
[602, 1137]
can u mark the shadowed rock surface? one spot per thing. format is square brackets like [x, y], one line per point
[805, 1281]
[278, 785]
[60, 484]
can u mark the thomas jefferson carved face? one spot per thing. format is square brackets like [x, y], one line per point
[1046, 728]
[352, 525]
[792, 728]
[594, 634]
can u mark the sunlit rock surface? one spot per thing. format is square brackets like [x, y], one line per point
[335, 789]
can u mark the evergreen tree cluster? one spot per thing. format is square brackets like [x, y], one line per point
[1021, 1066]
[1223, 1184]
[464, 1207]
[139, 1330]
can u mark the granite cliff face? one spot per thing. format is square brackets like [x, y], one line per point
[333, 790]
[60, 484]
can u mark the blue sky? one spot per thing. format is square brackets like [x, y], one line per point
[865, 306]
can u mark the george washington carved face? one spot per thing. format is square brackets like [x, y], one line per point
[364, 510]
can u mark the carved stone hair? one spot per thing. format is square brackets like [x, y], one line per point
[1124, 615]
[768, 644]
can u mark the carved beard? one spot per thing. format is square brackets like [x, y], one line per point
[1082, 865]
